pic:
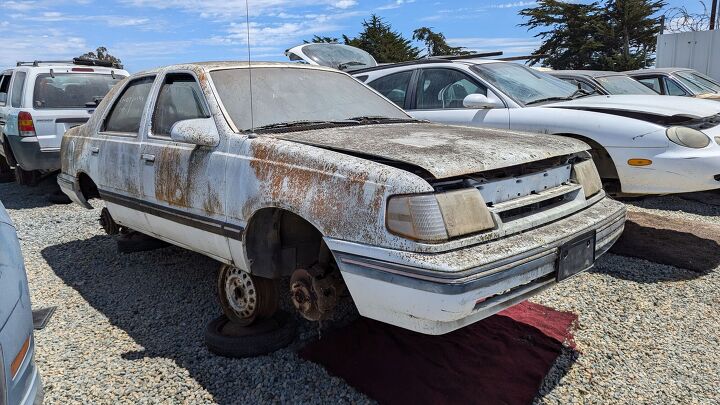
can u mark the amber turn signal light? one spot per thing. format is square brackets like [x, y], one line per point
[639, 162]
[19, 358]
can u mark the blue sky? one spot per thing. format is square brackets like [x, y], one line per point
[148, 33]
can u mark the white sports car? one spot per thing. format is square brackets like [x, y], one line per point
[642, 144]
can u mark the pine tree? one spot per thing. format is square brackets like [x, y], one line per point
[384, 44]
[436, 44]
[629, 37]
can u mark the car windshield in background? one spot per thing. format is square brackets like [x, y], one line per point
[71, 90]
[339, 56]
[621, 84]
[292, 95]
[698, 82]
[525, 85]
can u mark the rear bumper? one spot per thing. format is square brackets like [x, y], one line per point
[438, 293]
[70, 185]
[29, 155]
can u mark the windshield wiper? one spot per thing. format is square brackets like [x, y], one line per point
[290, 125]
[372, 119]
[542, 100]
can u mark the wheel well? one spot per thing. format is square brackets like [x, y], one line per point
[8, 152]
[87, 187]
[278, 242]
[605, 165]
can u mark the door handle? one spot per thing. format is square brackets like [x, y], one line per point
[94, 150]
[148, 158]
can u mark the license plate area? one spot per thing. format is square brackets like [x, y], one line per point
[576, 256]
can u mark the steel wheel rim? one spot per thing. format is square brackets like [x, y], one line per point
[241, 293]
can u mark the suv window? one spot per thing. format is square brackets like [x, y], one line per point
[17, 89]
[393, 86]
[651, 82]
[445, 88]
[673, 89]
[71, 90]
[127, 112]
[180, 98]
[4, 87]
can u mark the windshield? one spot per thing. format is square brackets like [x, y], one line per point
[523, 84]
[286, 95]
[339, 56]
[696, 80]
[71, 90]
[621, 84]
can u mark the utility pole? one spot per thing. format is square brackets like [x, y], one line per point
[713, 14]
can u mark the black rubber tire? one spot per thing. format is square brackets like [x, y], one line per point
[7, 174]
[27, 177]
[264, 337]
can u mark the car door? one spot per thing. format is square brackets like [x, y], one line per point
[115, 153]
[395, 87]
[183, 184]
[439, 93]
[4, 102]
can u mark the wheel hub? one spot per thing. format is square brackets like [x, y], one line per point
[241, 293]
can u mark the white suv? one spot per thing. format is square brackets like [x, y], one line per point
[41, 100]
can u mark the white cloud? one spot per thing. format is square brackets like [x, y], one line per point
[232, 9]
[514, 4]
[343, 4]
[509, 46]
[395, 4]
[28, 45]
[274, 34]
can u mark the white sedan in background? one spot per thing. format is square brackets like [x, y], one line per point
[642, 144]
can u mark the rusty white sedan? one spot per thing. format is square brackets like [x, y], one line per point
[287, 170]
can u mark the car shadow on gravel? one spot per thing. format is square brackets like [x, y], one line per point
[163, 299]
[17, 197]
[704, 203]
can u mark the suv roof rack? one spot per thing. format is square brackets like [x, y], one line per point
[432, 59]
[74, 61]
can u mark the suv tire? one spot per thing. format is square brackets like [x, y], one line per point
[27, 177]
[7, 175]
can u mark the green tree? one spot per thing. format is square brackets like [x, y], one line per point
[101, 53]
[384, 44]
[316, 39]
[436, 44]
[615, 35]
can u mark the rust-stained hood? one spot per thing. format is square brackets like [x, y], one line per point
[443, 151]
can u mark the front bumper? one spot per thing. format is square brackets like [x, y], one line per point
[438, 293]
[29, 155]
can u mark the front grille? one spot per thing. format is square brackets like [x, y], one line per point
[530, 209]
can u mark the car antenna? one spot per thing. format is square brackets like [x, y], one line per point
[247, 26]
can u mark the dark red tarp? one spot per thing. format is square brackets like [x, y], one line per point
[499, 360]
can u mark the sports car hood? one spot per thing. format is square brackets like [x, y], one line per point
[443, 151]
[666, 106]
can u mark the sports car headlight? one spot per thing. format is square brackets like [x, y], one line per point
[688, 137]
[438, 217]
[585, 173]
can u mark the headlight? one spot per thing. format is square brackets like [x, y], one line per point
[585, 173]
[688, 137]
[438, 217]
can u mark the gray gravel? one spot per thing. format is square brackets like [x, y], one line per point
[129, 328]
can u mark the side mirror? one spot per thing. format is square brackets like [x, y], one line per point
[197, 131]
[479, 101]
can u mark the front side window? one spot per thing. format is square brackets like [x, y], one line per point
[393, 86]
[284, 95]
[652, 83]
[127, 112]
[180, 98]
[525, 85]
[17, 89]
[673, 89]
[71, 90]
[445, 88]
[4, 87]
[620, 84]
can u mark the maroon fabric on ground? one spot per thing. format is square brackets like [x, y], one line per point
[499, 360]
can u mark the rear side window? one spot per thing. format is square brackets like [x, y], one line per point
[393, 86]
[127, 112]
[179, 99]
[71, 90]
[4, 87]
[17, 89]
[651, 83]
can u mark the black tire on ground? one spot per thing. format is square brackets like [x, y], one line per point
[246, 298]
[7, 174]
[27, 177]
[228, 339]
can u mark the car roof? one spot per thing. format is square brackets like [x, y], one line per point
[587, 73]
[428, 61]
[219, 65]
[657, 70]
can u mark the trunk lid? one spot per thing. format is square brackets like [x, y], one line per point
[51, 128]
[443, 151]
[337, 56]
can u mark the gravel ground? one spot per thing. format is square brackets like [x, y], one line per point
[129, 328]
